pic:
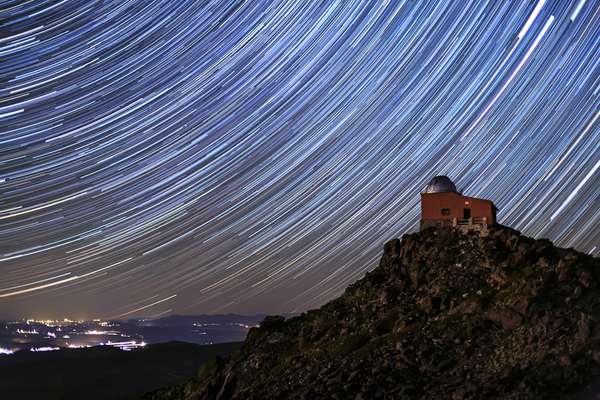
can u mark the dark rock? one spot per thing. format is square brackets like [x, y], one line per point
[585, 279]
[443, 316]
[565, 360]
[521, 306]
[596, 356]
[508, 318]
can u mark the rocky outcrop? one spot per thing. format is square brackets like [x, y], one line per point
[444, 315]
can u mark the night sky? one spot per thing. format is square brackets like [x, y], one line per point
[163, 157]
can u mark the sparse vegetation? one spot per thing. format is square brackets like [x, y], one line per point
[445, 315]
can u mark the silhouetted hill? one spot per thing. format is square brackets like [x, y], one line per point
[443, 316]
[103, 372]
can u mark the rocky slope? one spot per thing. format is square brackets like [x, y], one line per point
[444, 315]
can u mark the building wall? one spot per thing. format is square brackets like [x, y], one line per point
[433, 203]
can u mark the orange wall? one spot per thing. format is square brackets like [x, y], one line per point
[432, 204]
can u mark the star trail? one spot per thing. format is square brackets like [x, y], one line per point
[253, 156]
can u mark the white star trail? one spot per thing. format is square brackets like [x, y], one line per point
[254, 156]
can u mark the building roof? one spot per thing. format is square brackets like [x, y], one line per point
[440, 184]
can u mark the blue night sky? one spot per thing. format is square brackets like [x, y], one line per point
[163, 157]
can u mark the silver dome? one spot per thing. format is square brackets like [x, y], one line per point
[440, 184]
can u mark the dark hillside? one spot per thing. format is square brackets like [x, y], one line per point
[445, 315]
[103, 372]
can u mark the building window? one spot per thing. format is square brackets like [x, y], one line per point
[445, 211]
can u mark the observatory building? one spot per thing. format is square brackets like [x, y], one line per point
[443, 205]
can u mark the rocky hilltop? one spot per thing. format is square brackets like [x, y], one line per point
[444, 315]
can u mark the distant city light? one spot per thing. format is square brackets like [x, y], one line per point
[45, 348]
[126, 346]
[96, 332]
[46, 335]
[30, 332]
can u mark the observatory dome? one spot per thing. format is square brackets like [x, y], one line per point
[440, 184]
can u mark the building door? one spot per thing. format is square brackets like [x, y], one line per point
[467, 213]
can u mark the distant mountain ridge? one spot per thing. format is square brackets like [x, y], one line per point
[208, 318]
[444, 315]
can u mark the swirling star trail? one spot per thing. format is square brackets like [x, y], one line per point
[253, 156]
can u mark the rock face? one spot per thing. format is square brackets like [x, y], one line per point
[444, 315]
